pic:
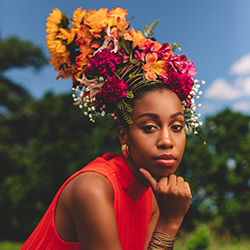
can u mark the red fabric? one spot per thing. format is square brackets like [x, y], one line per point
[132, 204]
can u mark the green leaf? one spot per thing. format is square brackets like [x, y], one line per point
[148, 30]
[126, 45]
[130, 95]
[173, 46]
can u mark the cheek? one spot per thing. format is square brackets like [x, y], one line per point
[182, 143]
[139, 149]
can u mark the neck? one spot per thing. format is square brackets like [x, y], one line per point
[135, 171]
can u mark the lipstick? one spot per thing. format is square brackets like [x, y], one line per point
[166, 160]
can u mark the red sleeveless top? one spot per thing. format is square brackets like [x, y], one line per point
[132, 205]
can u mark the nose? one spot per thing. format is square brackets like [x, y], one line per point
[165, 139]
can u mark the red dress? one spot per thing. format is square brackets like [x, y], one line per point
[132, 205]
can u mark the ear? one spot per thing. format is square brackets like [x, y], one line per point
[122, 134]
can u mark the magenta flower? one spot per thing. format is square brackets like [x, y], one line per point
[139, 56]
[112, 91]
[163, 52]
[181, 84]
[181, 64]
[104, 63]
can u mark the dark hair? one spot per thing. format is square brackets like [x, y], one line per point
[138, 94]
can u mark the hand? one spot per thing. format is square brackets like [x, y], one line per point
[173, 196]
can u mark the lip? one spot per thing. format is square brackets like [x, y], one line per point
[166, 160]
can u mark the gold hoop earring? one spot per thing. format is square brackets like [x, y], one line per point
[125, 151]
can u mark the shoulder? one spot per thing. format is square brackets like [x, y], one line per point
[87, 196]
[89, 186]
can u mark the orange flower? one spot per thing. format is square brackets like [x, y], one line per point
[154, 67]
[83, 35]
[96, 20]
[118, 26]
[134, 36]
[148, 42]
[118, 12]
[116, 18]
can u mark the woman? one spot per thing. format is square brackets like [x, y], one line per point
[132, 201]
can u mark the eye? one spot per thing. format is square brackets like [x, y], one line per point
[177, 127]
[149, 128]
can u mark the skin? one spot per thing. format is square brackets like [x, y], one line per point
[85, 210]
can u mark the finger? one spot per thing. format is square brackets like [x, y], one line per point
[179, 181]
[163, 181]
[172, 180]
[187, 187]
[153, 183]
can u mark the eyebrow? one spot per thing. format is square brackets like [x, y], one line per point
[176, 114]
[155, 116]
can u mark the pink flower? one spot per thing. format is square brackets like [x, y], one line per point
[111, 92]
[104, 62]
[181, 84]
[162, 51]
[181, 64]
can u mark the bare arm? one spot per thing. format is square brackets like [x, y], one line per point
[92, 212]
[153, 222]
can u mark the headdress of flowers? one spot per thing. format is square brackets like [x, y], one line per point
[108, 60]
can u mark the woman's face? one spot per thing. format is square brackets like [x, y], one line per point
[156, 138]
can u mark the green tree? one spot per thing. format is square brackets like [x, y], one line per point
[14, 53]
[229, 137]
[62, 140]
[219, 173]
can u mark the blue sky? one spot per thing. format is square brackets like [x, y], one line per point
[214, 34]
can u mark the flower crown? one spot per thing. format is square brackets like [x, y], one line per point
[108, 61]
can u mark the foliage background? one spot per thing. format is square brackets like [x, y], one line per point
[43, 141]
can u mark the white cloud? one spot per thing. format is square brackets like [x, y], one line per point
[243, 85]
[221, 89]
[247, 86]
[242, 106]
[242, 66]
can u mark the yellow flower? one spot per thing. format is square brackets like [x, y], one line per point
[68, 35]
[57, 60]
[96, 20]
[53, 20]
[56, 46]
[55, 17]
[78, 15]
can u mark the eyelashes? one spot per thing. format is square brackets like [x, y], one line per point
[152, 128]
[177, 127]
